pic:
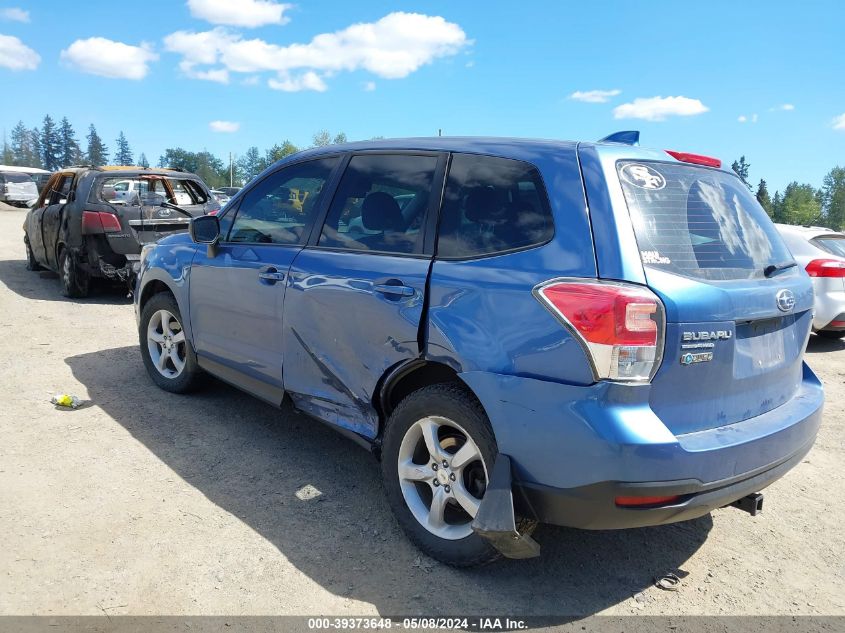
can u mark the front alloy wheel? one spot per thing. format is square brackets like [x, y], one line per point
[166, 344]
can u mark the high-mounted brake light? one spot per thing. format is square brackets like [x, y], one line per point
[99, 222]
[696, 159]
[619, 325]
[826, 268]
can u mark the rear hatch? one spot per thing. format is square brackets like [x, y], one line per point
[738, 311]
[138, 201]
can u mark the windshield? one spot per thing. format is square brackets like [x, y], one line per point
[11, 176]
[698, 222]
[138, 190]
[833, 244]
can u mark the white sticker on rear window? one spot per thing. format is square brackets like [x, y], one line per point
[643, 176]
[654, 257]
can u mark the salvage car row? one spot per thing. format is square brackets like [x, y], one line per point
[594, 335]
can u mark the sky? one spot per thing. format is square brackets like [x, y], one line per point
[764, 79]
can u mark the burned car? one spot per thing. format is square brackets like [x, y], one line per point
[91, 222]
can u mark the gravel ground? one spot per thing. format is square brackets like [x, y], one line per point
[142, 502]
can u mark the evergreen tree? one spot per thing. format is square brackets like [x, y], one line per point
[833, 198]
[250, 164]
[21, 145]
[801, 205]
[70, 152]
[777, 207]
[321, 139]
[97, 153]
[36, 158]
[764, 199]
[8, 157]
[142, 160]
[51, 145]
[742, 167]
[123, 154]
[339, 138]
[277, 152]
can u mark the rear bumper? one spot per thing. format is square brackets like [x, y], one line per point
[574, 449]
[593, 507]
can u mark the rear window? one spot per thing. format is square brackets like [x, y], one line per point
[11, 176]
[698, 222]
[835, 244]
[131, 190]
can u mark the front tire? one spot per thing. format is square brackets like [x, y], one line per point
[75, 281]
[168, 355]
[437, 452]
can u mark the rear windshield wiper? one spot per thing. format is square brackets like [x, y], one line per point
[771, 269]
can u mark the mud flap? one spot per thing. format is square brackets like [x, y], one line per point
[495, 520]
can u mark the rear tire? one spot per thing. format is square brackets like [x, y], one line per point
[31, 262]
[831, 334]
[168, 354]
[433, 501]
[75, 281]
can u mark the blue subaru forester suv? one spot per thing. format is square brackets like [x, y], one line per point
[585, 334]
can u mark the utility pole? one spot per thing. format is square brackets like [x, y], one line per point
[231, 171]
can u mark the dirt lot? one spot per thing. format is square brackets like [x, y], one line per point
[142, 502]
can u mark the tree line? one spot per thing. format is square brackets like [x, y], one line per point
[801, 204]
[53, 146]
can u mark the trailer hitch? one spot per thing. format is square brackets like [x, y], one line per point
[495, 520]
[752, 504]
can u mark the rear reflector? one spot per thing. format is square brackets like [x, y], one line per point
[619, 325]
[633, 502]
[836, 324]
[99, 222]
[826, 268]
[696, 159]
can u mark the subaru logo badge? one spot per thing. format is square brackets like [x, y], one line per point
[786, 300]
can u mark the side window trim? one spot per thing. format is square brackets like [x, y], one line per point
[331, 181]
[432, 210]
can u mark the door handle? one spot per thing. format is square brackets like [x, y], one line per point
[389, 289]
[271, 275]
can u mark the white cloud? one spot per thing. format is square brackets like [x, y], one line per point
[245, 13]
[742, 118]
[14, 14]
[306, 81]
[107, 58]
[227, 127]
[369, 86]
[786, 107]
[594, 96]
[839, 122]
[392, 47]
[16, 55]
[659, 108]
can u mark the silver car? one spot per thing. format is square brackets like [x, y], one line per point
[17, 188]
[821, 252]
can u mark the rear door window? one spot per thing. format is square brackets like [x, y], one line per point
[698, 222]
[381, 204]
[137, 190]
[492, 205]
[835, 244]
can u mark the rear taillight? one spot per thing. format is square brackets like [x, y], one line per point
[695, 159]
[619, 325]
[99, 222]
[826, 268]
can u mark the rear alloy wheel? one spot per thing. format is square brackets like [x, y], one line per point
[75, 282]
[168, 356]
[437, 451]
[31, 262]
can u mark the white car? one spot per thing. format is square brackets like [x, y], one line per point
[821, 252]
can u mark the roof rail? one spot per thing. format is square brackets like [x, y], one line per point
[626, 137]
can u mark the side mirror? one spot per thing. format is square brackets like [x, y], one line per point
[205, 229]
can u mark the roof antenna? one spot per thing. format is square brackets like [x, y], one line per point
[627, 137]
